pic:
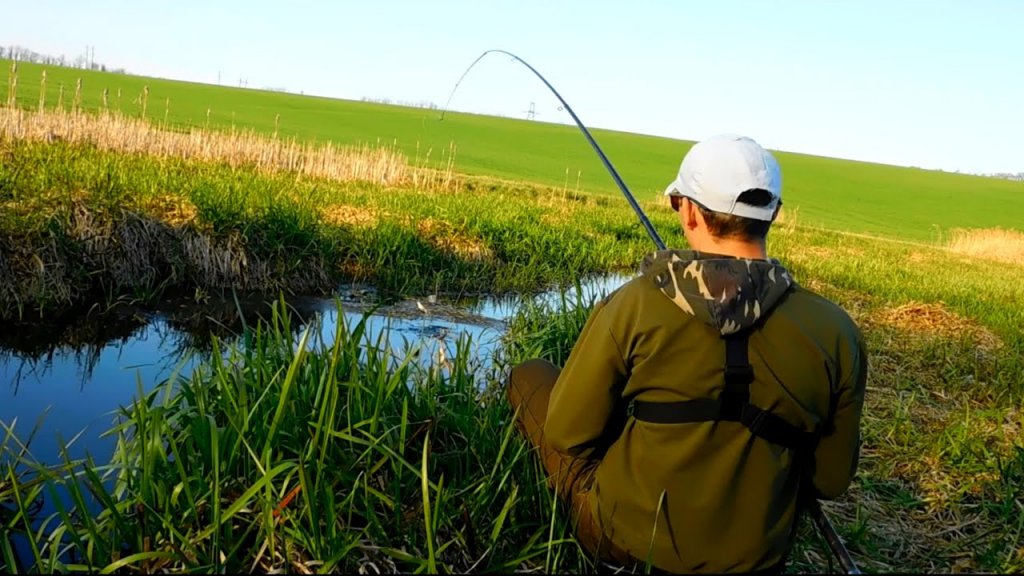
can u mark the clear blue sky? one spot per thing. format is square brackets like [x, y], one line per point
[936, 84]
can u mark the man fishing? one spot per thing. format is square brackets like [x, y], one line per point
[706, 398]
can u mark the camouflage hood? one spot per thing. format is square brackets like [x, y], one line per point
[728, 293]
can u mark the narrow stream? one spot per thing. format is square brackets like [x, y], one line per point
[72, 380]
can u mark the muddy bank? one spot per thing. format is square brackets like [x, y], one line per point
[100, 258]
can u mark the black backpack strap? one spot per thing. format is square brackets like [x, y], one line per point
[732, 405]
[776, 430]
[729, 404]
[703, 410]
[738, 376]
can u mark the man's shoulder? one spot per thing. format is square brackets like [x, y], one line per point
[819, 310]
[632, 291]
[818, 323]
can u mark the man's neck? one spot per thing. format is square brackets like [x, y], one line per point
[734, 248]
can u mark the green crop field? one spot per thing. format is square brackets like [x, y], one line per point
[907, 203]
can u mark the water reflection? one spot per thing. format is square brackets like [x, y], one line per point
[80, 371]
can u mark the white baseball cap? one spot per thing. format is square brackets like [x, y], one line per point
[716, 171]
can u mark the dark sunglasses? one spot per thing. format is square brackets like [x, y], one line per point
[676, 201]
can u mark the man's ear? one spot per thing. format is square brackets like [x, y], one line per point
[689, 214]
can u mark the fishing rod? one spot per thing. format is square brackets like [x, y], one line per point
[607, 164]
[832, 537]
[822, 522]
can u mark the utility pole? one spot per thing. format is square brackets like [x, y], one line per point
[531, 114]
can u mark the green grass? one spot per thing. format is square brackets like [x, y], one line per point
[287, 453]
[860, 197]
[430, 475]
[329, 457]
[487, 236]
[110, 226]
[942, 465]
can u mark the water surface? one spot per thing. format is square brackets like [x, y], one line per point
[72, 378]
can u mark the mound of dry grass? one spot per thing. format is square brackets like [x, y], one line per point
[345, 215]
[934, 320]
[446, 238]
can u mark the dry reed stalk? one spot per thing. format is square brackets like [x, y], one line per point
[450, 166]
[989, 243]
[786, 222]
[12, 86]
[42, 92]
[113, 131]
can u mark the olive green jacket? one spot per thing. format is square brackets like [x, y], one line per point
[709, 496]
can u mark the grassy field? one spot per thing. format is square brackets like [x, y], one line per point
[345, 457]
[837, 194]
[942, 465]
[82, 227]
[340, 457]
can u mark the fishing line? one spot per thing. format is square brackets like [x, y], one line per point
[818, 516]
[607, 164]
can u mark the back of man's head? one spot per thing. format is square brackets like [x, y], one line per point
[735, 184]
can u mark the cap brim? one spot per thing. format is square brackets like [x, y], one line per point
[673, 189]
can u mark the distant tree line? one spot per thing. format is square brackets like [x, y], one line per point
[418, 104]
[1019, 176]
[85, 61]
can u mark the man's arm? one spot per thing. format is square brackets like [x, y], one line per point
[837, 455]
[585, 398]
